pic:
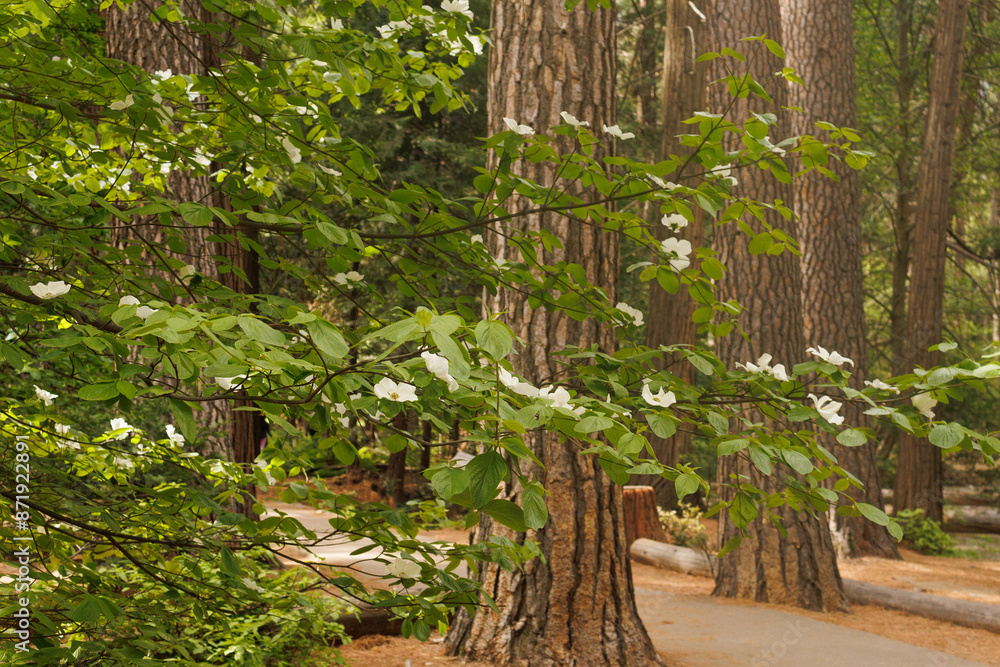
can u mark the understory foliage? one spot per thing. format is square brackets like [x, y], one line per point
[133, 539]
[683, 526]
[925, 535]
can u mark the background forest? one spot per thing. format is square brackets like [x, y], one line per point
[462, 266]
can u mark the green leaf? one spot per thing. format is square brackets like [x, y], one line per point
[593, 424]
[727, 447]
[662, 425]
[852, 437]
[261, 332]
[185, 418]
[761, 243]
[229, 563]
[449, 482]
[703, 365]
[946, 435]
[760, 460]
[494, 338]
[774, 48]
[631, 444]
[730, 544]
[743, 510]
[99, 392]
[326, 337]
[718, 422]
[797, 461]
[88, 611]
[536, 514]
[686, 484]
[873, 514]
[485, 474]
[895, 531]
[506, 513]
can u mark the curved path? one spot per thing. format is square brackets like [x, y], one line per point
[695, 631]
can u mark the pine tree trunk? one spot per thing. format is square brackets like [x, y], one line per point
[904, 189]
[669, 321]
[800, 569]
[644, 62]
[576, 606]
[918, 480]
[819, 39]
[132, 37]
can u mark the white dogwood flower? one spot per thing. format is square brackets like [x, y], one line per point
[679, 247]
[403, 568]
[827, 408]
[400, 392]
[507, 378]
[128, 300]
[122, 104]
[229, 383]
[884, 386]
[674, 220]
[558, 397]
[616, 131]
[336, 24]
[145, 311]
[723, 172]
[45, 396]
[660, 399]
[50, 290]
[457, 7]
[174, 436]
[349, 277]
[925, 404]
[294, 154]
[634, 313]
[523, 130]
[762, 365]
[572, 120]
[117, 424]
[834, 358]
[438, 365]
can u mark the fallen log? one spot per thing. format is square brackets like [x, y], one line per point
[672, 557]
[972, 523]
[961, 612]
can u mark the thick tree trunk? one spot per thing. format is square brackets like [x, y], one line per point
[904, 188]
[644, 62]
[800, 569]
[576, 606]
[131, 36]
[669, 321]
[918, 480]
[819, 39]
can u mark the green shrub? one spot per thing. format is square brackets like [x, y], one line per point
[685, 528]
[925, 535]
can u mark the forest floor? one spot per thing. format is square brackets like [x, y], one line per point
[968, 579]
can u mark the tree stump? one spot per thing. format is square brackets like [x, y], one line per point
[641, 519]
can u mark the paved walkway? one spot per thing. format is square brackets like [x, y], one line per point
[699, 632]
[696, 631]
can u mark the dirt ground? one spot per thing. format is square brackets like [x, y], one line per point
[380, 651]
[976, 580]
